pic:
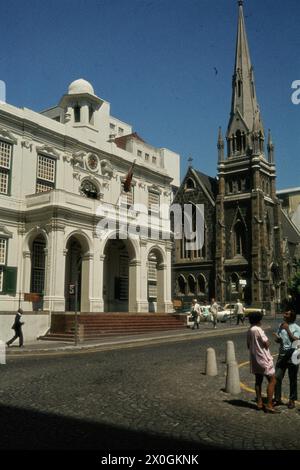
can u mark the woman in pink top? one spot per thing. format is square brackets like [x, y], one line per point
[261, 361]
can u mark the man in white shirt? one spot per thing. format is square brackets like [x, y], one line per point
[239, 311]
[196, 312]
[214, 311]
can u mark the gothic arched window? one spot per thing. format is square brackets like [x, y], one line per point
[181, 285]
[190, 184]
[239, 239]
[239, 141]
[192, 284]
[201, 284]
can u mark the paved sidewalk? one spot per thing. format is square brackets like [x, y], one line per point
[108, 342]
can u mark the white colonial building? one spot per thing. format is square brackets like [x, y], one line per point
[58, 171]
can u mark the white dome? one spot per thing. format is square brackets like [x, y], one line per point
[80, 86]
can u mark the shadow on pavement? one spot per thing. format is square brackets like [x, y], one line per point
[23, 429]
[242, 404]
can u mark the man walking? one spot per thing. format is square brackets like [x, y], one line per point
[17, 326]
[196, 312]
[214, 311]
[239, 312]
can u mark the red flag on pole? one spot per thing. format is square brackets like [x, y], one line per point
[128, 179]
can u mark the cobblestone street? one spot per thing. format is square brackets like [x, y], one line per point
[144, 397]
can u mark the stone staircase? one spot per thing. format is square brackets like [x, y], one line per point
[98, 325]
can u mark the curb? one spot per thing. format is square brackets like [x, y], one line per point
[117, 343]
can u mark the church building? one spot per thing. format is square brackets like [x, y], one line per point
[249, 242]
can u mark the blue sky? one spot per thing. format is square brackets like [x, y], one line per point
[154, 61]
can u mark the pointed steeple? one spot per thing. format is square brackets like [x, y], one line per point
[245, 113]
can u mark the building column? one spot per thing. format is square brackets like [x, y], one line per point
[84, 114]
[96, 281]
[86, 284]
[168, 307]
[54, 299]
[134, 285]
[143, 299]
[26, 271]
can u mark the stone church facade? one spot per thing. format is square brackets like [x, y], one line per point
[249, 249]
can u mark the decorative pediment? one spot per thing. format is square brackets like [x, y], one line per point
[49, 151]
[4, 232]
[8, 136]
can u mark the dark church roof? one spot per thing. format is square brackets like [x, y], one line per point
[211, 184]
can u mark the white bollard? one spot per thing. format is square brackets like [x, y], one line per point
[2, 353]
[230, 353]
[233, 379]
[211, 363]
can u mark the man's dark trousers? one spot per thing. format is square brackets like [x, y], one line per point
[284, 363]
[18, 334]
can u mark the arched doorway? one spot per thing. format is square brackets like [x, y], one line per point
[77, 273]
[116, 277]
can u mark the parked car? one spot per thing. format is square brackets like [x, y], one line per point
[206, 316]
[230, 309]
[223, 315]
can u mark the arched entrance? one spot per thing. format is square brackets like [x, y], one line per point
[116, 292]
[77, 274]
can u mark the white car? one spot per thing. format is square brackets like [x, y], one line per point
[222, 316]
[230, 310]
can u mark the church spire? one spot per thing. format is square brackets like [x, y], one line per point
[245, 113]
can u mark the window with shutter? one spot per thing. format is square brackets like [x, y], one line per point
[153, 201]
[9, 280]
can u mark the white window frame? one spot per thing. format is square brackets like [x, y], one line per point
[43, 183]
[153, 207]
[5, 169]
[4, 241]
